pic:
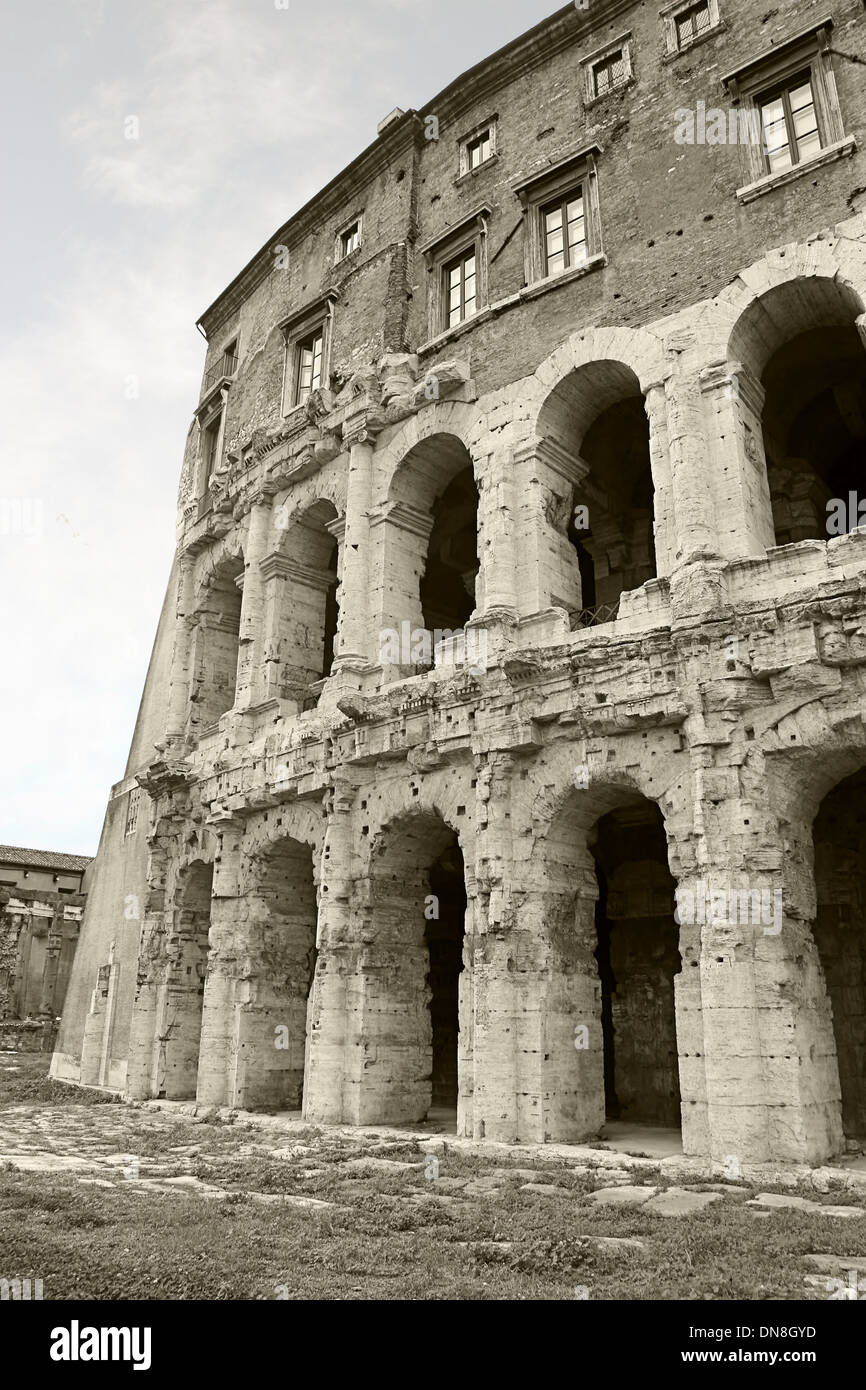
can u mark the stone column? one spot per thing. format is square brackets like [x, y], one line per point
[548, 480]
[334, 1049]
[218, 1053]
[250, 683]
[664, 519]
[353, 646]
[497, 588]
[737, 469]
[696, 528]
[767, 1068]
[399, 535]
[181, 659]
[537, 1039]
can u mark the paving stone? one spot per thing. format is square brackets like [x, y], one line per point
[622, 1196]
[781, 1201]
[676, 1201]
[546, 1189]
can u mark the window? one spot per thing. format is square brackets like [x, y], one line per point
[225, 365]
[350, 240]
[563, 223]
[457, 279]
[693, 22]
[478, 150]
[686, 22]
[460, 288]
[310, 357]
[790, 125]
[132, 811]
[789, 109]
[607, 70]
[564, 233]
[609, 73]
[477, 146]
[210, 446]
[308, 339]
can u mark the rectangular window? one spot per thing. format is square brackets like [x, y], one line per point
[210, 445]
[350, 240]
[790, 125]
[693, 22]
[478, 150]
[132, 811]
[310, 358]
[564, 233]
[461, 296]
[609, 73]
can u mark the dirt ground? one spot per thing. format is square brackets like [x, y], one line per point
[104, 1200]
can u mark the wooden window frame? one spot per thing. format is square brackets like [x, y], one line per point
[560, 204]
[783, 91]
[298, 330]
[471, 139]
[540, 193]
[355, 226]
[805, 54]
[443, 253]
[671, 16]
[459, 262]
[601, 56]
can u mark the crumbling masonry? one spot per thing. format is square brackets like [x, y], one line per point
[378, 879]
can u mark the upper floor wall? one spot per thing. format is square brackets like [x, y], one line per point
[601, 169]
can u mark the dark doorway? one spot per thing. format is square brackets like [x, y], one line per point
[444, 940]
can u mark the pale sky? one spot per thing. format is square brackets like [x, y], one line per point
[111, 249]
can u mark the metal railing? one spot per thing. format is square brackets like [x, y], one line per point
[226, 366]
[595, 617]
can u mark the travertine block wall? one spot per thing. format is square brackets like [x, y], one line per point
[725, 698]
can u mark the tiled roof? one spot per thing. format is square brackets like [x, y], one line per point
[43, 859]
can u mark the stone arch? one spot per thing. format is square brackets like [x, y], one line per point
[415, 969]
[216, 639]
[596, 901]
[594, 445]
[178, 1015]
[797, 355]
[425, 538]
[301, 598]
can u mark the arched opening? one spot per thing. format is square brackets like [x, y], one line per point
[178, 1025]
[595, 440]
[801, 342]
[272, 1001]
[414, 976]
[443, 933]
[840, 935]
[448, 583]
[217, 640]
[301, 596]
[432, 560]
[638, 957]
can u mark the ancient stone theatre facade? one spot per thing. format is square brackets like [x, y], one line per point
[502, 752]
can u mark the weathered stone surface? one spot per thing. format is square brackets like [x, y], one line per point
[676, 1201]
[507, 698]
[622, 1196]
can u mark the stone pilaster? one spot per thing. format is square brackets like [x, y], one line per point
[250, 682]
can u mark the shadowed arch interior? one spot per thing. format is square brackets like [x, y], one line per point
[840, 934]
[414, 964]
[596, 420]
[178, 1031]
[800, 341]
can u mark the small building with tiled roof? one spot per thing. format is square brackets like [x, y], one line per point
[42, 869]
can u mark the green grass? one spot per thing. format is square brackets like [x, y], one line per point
[375, 1243]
